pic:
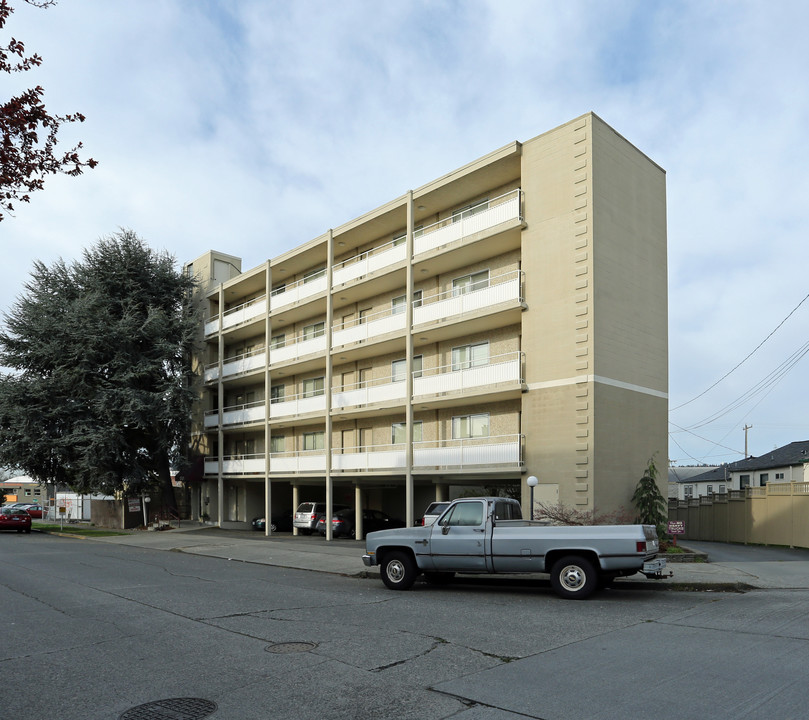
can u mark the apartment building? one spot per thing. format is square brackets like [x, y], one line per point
[506, 320]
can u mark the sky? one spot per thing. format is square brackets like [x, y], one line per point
[252, 126]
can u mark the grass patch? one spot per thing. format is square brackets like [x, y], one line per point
[75, 530]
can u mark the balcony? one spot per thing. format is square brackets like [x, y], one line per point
[463, 301]
[236, 415]
[236, 465]
[295, 292]
[368, 262]
[297, 405]
[298, 462]
[460, 377]
[212, 326]
[245, 312]
[368, 326]
[468, 453]
[236, 365]
[472, 220]
[374, 391]
[299, 346]
[472, 454]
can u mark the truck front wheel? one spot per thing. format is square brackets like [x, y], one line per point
[398, 571]
[573, 578]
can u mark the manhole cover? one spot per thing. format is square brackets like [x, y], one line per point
[292, 647]
[171, 709]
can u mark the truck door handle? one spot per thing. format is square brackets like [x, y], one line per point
[420, 542]
[478, 529]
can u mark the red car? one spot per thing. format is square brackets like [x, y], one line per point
[13, 518]
[34, 510]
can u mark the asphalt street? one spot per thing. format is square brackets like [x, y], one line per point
[108, 628]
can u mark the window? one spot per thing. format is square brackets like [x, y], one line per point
[469, 356]
[245, 447]
[398, 369]
[277, 341]
[470, 283]
[470, 426]
[763, 479]
[710, 489]
[277, 443]
[398, 432]
[398, 305]
[779, 476]
[689, 491]
[315, 330]
[506, 511]
[722, 489]
[277, 394]
[466, 514]
[314, 440]
[416, 298]
[278, 289]
[312, 387]
[470, 210]
[744, 481]
[313, 275]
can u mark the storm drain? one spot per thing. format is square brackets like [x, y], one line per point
[171, 709]
[291, 647]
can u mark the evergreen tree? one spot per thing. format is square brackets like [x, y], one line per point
[649, 502]
[101, 392]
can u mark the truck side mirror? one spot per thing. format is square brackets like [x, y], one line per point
[444, 529]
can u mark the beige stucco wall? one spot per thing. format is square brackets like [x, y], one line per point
[595, 331]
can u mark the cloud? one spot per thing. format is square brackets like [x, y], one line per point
[253, 127]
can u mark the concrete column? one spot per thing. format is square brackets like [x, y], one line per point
[359, 505]
[409, 366]
[295, 503]
[328, 381]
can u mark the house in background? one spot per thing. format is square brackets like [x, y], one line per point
[786, 464]
[683, 473]
[23, 489]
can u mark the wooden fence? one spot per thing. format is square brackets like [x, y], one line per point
[777, 514]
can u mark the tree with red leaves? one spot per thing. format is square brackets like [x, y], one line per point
[25, 159]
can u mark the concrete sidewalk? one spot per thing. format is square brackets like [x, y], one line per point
[344, 557]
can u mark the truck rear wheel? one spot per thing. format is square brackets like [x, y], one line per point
[573, 578]
[398, 571]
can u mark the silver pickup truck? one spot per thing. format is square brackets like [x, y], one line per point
[488, 535]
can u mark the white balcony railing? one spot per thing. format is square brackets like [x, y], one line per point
[298, 347]
[375, 457]
[297, 405]
[384, 390]
[472, 220]
[236, 414]
[498, 450]
[303, 461]
[506, 368]
[212, 326]
[242, 313]
[297, 291]
[236, 365]
[499, 289]
[368, 262]
[367, 327]
[236, 465]
[503, 450]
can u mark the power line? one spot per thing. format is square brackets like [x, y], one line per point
[745, 359]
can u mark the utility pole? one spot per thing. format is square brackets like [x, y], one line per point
[746, 428]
